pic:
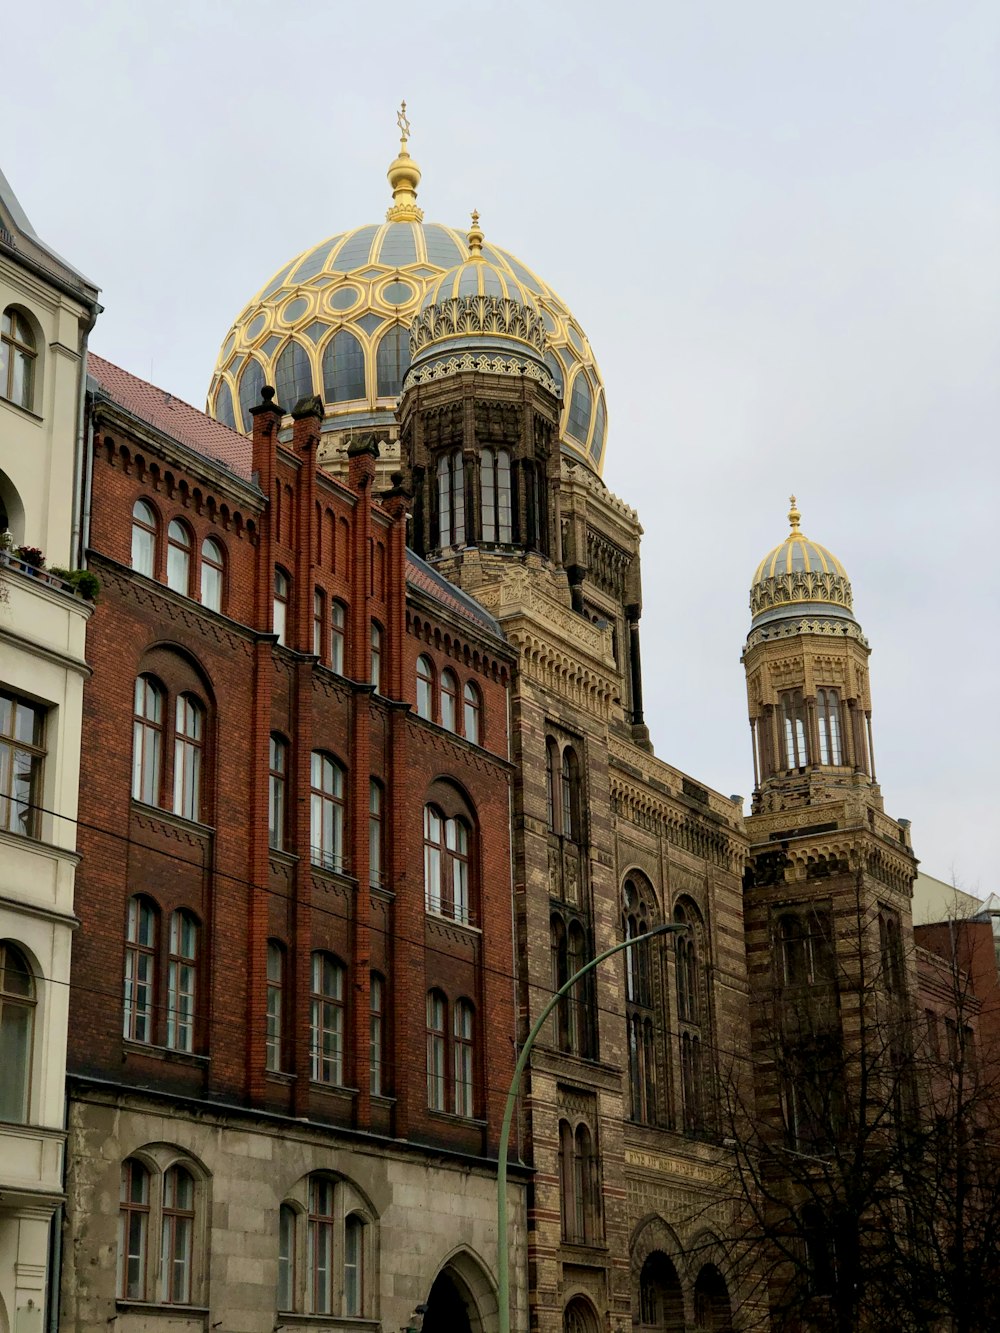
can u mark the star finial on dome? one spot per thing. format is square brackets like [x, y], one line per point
[404, 177]
[475, 237]
[794, 517]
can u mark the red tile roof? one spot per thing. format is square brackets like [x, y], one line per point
[173, 416]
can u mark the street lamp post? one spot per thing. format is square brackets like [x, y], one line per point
[503, 1261]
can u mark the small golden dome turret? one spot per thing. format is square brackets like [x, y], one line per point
[404, 177]
[799, 578]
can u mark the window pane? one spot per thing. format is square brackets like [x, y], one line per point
[211, 575]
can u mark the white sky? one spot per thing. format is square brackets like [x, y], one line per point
[777, 221]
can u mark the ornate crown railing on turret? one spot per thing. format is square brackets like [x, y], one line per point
[800, 586]
[477, 316]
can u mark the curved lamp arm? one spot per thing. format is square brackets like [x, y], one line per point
[503, 1261]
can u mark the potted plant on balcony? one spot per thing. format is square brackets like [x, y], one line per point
[32, 556]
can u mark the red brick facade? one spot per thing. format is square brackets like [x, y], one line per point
[335, 543]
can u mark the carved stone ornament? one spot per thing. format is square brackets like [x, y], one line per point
[800, 586]
[477, 316]
[483, 363]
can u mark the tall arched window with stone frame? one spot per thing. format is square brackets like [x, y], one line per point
[642, 1000]
[693, 1022]
[579, 1181]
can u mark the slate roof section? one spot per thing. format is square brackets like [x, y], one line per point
[419, 574]
[171, 415]
[19, 236]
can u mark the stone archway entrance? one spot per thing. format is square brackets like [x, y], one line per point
[448, 1307]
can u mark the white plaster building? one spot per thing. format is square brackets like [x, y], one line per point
[47, 311]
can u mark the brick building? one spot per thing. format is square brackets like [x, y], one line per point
[293, 998]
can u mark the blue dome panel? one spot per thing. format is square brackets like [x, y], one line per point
[355, 251]
[399, 245]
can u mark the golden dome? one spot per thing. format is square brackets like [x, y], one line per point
[336, 321]
[799, 578]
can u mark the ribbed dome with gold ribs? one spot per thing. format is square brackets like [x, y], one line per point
[336, 321]
[799, 579]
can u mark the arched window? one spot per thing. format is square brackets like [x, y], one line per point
[494, 473]
[712, 1307]
[570, 795]
[449, 700]
[18, 358]
[891, 950]
[287, 1275]
[436, 1050]
[376, 1052]
[472, 708]
[462, 1057]
[637, 918]
[327, 812]
[177, 1237]
[318, 601]
[828, 719]
[354, 1272]
[275, 1005]
[147, 741]
[392, 361]
[552, 784]
[189, 740]
[793, 729]
[343, 368]
[376, 659]
[579, 1317]
[579, 1183]
[690, 1033]
[251, 383]
[212, 570]
[375, 874]
[661, 1299]
[178, 558]
[322, 1229]
[580, 408]
[276, 784]
[451, 500]
[17, 1021]
[133, 1231]
[182, 981]
[144, 539]
[569, 953]
[292, 376]
[446, 865]
[425, 687]
[326, 1024]
[281, 592]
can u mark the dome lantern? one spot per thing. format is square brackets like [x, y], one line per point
[799, 579]
[404, 177]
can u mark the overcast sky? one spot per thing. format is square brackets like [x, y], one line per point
[777, 220]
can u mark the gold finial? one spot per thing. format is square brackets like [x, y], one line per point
[404, 177]
[475, 237]
[794, 517]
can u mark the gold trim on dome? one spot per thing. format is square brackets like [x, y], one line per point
[478, 316]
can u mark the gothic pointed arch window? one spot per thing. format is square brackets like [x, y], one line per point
[579, 1182]
[569, 952]
[641, 987]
